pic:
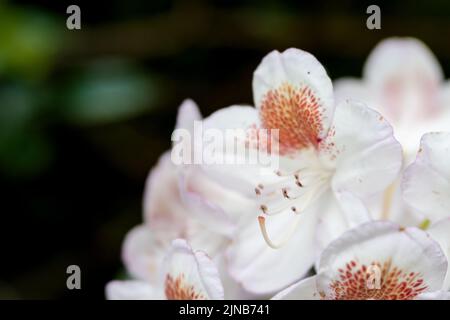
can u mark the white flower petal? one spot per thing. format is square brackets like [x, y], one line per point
[401, 55]
[293, 93]
[163, 208]
[143, 253]
[264, 270]
[303, 290]
[352, 89]
[132, 290]
[440, 231]
[426, 183]
[410, 135]
[218, 207]
[437, 295]
[389, 205]
[169, 217]
[362, 148]
[382, 261]
[344, 212]
[182, 137]
[233, 290]
[191, 275]
[188, 112]
[234, 170]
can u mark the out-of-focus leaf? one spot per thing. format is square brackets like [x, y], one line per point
[26, 153]
[108, 91]
[17, 108]
[29, 40]
[24, 150]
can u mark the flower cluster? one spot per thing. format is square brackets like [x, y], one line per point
[358, 207]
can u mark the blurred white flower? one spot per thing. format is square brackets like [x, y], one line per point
[403, 80]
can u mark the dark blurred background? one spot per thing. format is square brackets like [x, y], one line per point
[85, 114]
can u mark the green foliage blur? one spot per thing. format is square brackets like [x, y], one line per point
[31, 98]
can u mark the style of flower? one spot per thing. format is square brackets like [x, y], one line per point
[377, 261]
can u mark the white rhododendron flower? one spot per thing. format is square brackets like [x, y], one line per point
[218, 225]
[185, 275]
[330, 156]
[378, 260]
[403, 80]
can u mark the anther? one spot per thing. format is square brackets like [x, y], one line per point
[263, 208]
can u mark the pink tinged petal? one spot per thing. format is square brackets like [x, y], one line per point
[406, 75]
[380, 260]
[143, 253]
[263, 270]
[426, 183]
[294, 94]
[190, 275]
[132, 290]
[436, 295]
[440, 231]
[182, 138]
[363, 150]
[163, 208]
[305, 289]
[188, 112]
